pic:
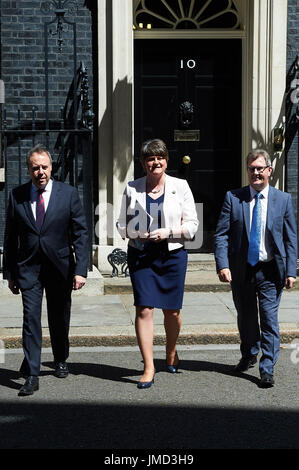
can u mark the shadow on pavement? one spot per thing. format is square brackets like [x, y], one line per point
[197, 366]
[120, 374]
[132, 422]
[31, 425]
[99, 371]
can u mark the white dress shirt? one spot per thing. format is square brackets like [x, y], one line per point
[265, 250]
[46, 196]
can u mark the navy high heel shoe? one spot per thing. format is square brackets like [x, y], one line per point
[173, 368]
[146, 384]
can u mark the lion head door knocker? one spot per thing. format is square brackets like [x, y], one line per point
[186, 114]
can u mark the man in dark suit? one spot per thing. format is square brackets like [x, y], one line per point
[256, 251]
[45, 248]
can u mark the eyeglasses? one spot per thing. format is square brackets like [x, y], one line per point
[259, 169]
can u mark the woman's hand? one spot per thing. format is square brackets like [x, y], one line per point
[159, 235]
[142, 235]
[137, 235]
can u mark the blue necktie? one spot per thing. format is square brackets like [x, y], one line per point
[255, 232]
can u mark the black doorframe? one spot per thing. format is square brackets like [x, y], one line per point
[224, 184]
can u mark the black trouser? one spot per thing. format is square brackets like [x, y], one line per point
[58, 294]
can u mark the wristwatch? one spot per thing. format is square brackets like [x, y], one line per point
[170, 233]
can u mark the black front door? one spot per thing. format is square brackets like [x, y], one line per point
[188, 93]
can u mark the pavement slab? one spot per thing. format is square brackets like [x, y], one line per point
[208, 317]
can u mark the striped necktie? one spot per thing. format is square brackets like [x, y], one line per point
[40, 208]
[255, 232]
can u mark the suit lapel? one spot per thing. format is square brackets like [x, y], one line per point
[169, 192]
[246, 210]
[140, 189]
[271, 207]
[138, 203]
[27, 205]
[169, 188]
[52, 205]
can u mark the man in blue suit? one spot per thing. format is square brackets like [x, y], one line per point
[45, 248]
[256, 251]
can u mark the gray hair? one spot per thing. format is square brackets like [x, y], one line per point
[254, 154]
[38, 148]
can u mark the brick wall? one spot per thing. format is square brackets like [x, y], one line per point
[292, 144]
[23, 69]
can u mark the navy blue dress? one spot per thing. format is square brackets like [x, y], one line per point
[157, 274]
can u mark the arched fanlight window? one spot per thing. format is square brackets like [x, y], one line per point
[185, 14]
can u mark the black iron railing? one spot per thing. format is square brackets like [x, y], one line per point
[71, 150]
[68, 136]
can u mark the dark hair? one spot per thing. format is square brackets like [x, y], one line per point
[38, 149]
[153, 147]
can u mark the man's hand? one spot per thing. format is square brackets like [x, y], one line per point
[78, 282]
[13, 287]
[225, 275]
[290, 282]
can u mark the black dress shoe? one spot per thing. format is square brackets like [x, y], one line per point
[29, 387]
[245, 364]
[267, 380]
[61, 370]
